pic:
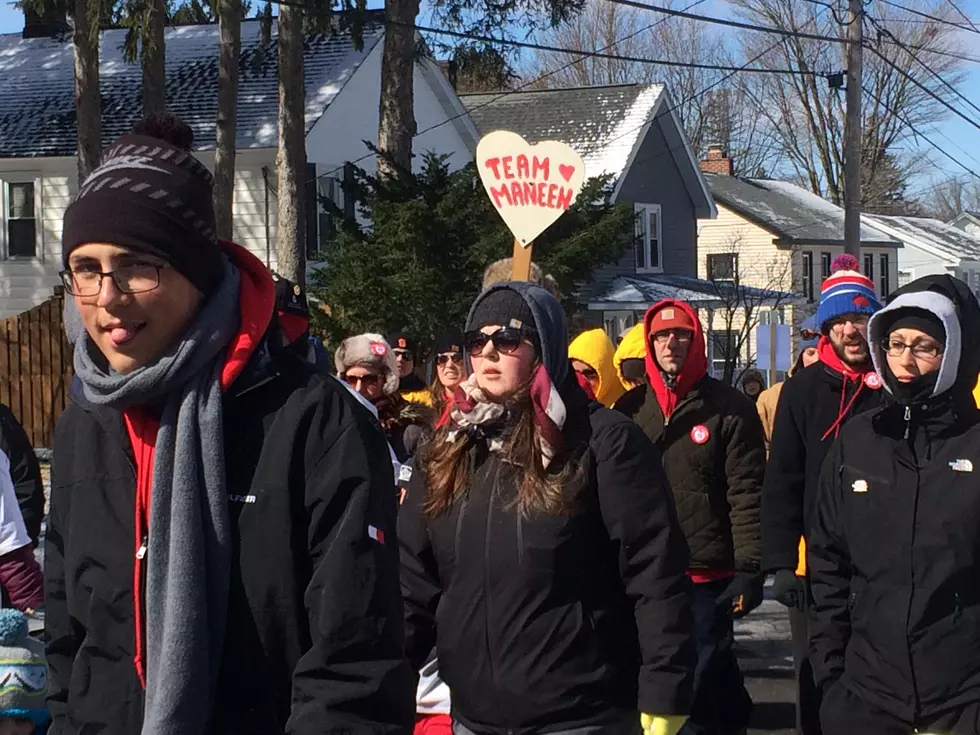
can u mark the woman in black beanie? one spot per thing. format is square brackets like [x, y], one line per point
[209, 564]
[540, 546]
[450, 368]
[893, 553]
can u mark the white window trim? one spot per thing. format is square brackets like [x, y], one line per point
[22, 178]
[622, 318]
[647, 208]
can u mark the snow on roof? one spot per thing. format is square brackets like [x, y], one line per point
[648, 289]
[602, 124]
[789, 211]
[37, 109]
[949, 241]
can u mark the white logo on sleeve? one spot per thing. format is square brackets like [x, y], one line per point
[860, 486]
[962, 465]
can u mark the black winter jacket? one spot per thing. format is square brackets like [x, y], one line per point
[24, 470]
[552, 622]
[314, 640]
[808, 406]
[894, 548]
[717, 480]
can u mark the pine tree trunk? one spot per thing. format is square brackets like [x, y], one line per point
[396, 126]
[291, 159]
[88, 100]
[229, 49]
[154, 58]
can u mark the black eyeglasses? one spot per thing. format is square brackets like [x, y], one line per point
[506, 340]
[590, 374]
[369, 381]
[445, 357]
[130, 278]
[404, 354]
[922, 350]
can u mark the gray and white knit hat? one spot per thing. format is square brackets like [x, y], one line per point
[369, 350]
[151, 195]
[23, 671]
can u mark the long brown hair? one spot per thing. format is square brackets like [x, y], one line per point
[447, 465]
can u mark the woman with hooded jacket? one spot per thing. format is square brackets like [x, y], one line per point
[540, 548]
[894, 548]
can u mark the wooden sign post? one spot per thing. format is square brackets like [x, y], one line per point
[531, 186]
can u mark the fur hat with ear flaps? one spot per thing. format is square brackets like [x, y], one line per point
[369, 350]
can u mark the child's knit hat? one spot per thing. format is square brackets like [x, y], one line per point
[23, 671]
[846, 291]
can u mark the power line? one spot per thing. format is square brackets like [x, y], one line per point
[921, 86]
[964, 16]
[729, 23]
[925, 66]
[919, 134]
[933, 18]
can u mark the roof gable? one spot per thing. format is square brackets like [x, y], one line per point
[605, 125]
[37, 109]
[793, 214]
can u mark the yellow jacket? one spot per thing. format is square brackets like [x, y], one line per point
[633, 344]
[596, 350]
[976, 393]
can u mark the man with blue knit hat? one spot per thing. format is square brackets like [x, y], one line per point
[813, 405]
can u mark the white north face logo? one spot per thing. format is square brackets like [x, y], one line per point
[860, 486]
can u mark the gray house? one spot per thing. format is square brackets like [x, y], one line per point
[631, 133]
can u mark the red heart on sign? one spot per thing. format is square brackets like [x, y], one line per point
[566, 172]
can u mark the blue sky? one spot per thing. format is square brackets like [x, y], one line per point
[957, 136]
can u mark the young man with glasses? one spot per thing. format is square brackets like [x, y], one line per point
[713, 452]
[220, 555]
[813, 406]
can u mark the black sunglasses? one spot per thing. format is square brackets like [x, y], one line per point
[369, 380]
[445, 357]
[506, 340]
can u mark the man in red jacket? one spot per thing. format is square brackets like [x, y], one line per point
[714, 455]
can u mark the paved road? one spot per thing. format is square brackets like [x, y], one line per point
[763, 644]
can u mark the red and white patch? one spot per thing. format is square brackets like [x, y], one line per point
[700, 434]
[872, 381]
[860, 300]
[377, 534]
[378, 348]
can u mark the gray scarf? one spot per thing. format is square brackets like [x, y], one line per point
[189, 529]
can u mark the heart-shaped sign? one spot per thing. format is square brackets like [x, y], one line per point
[530, 185]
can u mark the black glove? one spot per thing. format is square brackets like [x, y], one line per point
[789, 589]
[744, 593]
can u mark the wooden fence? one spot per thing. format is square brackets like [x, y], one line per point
[36, 368]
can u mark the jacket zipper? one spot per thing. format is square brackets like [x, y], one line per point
[908, 614]
[489, 612]
[908, 420]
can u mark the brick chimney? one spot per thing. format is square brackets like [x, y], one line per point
[49, 24]
[715, 161]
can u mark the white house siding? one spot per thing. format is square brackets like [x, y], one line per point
[28, 282]
[353, 118]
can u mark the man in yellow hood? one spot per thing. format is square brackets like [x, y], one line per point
[630, 358]
[591, 354]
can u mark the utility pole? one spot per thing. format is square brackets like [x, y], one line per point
[852, 131]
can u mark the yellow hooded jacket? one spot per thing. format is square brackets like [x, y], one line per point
[633, 345]
[596, 350]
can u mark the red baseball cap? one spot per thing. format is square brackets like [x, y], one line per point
[670, 317]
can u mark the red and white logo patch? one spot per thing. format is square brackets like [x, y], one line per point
[700, 434]
[379, 349]
[872, 381]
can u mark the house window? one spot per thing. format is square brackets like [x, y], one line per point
[320, 224]
[648, 238]
[723, 351]
[722, 266]
[824, 266]
[808, 276]
[905, 278]
[884, 277]
[21, 223]
[869, 266]
[618, 323]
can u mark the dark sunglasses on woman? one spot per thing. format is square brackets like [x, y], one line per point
[369, 380]
[445, 357]
[506, 340]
